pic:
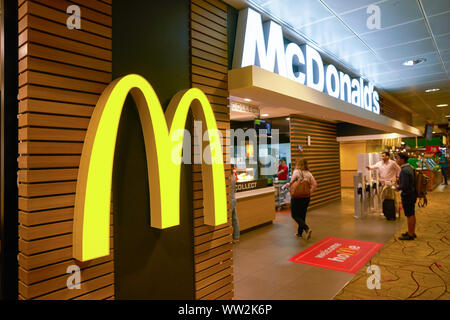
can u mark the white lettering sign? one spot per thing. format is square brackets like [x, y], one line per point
[301, 64]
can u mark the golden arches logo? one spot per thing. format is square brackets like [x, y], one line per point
[93, 192]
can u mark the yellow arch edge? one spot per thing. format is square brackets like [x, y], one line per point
[93, 193]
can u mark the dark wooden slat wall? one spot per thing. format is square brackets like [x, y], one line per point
[212, 245]
[322, 155]
[61, 75]
[390, 109]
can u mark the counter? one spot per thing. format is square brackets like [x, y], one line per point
[255, 207]
[435, 179]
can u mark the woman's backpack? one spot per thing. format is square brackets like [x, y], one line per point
[300, 188]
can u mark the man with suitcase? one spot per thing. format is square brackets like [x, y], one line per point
[407, 186]
[389, 171]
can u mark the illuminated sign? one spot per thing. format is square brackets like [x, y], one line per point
[162, 144]
[263, 45]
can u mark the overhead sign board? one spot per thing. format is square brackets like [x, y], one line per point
[262, 44]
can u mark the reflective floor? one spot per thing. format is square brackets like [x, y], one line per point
[261, 266]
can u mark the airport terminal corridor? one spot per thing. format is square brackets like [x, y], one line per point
[262, 269]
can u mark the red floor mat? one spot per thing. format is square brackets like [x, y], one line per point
[344, 255]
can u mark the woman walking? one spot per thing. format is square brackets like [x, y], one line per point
[302, 184]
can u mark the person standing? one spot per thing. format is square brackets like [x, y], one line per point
[389, 172]
[444, 165]
[299, 206]
[407, 186]
[283, 171]
[234, 219]
[388, 169]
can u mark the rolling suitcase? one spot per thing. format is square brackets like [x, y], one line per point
[389, 209]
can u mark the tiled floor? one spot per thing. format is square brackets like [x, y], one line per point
[261, 266]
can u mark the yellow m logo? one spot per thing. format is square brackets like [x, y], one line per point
[93, 193]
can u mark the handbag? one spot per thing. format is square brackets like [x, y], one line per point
[300, 188]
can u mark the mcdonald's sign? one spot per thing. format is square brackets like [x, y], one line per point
[93, 191]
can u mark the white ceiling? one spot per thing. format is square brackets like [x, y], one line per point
[410, 29]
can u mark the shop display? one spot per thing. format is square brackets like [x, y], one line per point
[247, 174]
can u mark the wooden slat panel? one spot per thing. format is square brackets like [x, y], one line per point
[214, 278]
[213, 270]
[42, 106]
[46, 230]
[37, 78]
[36, 64]
[42, 217]
[211, 8]
[33, 247]
[213, 263]
[41, 288]
[46, 134]
[87, 14]
[208, 23]
[34, 161]
[101, 294]
[32, 91]
[323, 155]
[35, 36]
[35, 147]
[35, 50]
[210, 16]
[62, 31]
[62, 73]
[44, 189]
[57, 16]
[44, 120]
[214, 290]
[54, 270]
[88, 286]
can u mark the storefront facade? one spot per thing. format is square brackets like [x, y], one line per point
[175, 45]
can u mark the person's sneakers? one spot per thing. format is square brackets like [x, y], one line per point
[406, 233]
[308, 234]
[406, 237]
[298, 235]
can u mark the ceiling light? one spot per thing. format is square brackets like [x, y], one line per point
[288, 119]
[264, 115]
[432, 90]
[247, 99]
[447, 116]
[434, 132]
[442, 105]
[410, 63]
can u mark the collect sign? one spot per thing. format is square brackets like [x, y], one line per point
[338, 254]
[251, 185]
[263, 45]
[162, 145]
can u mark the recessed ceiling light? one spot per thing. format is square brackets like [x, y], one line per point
[434, 132]
[288, 119]
[442, 105]
[247, 99]
[410, 63]
[264, 115]
[447, 116]
[432, 90]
